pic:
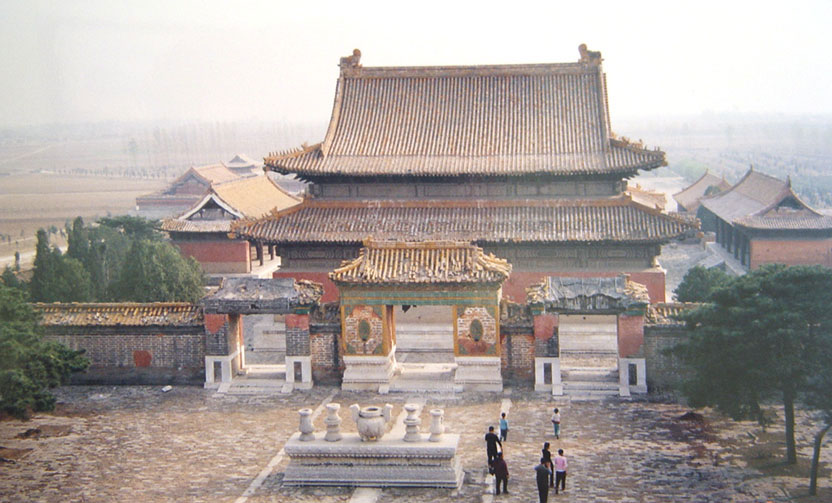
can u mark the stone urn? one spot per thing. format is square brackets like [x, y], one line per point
[371, 422]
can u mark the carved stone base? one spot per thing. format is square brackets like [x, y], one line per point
[390, 462]
[368, 372]
[478, 373]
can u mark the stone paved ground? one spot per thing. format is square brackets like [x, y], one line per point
[108, 444]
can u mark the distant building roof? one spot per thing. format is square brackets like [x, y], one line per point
[707, 184]
[617, 219]
[168, 314]
[469, 120]
[650, 198]
[398, 262]
[214, 173]
[760, 201]
[251, 197]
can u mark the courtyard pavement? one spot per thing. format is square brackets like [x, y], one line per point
[106, 444]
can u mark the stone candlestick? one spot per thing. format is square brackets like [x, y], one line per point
[307, 431]
[437, 426]
[333, 422]
[412, 423]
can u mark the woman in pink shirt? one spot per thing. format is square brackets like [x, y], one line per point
[560, 471]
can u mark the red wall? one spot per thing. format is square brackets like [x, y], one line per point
[229, 255]
[805, 252]
[630, 334]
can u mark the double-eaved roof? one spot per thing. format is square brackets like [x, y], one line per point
[762, 202]
[618, 219]
[400, 262]
[506, 120]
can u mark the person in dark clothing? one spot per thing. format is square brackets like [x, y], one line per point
[491, 441]
[543, 474]
[547, 455]
[500, 473]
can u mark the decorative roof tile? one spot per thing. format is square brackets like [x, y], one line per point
[480, 221]
[400, 262]
[169, 314]
[248, 295]
[469, 120]
[667, 313]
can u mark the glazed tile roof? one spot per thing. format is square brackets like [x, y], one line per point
[559, 291]
[250, 197]
[689, 197]
[398, 262]
[248, 295]
[613, 219]
[214, 173]
[169, 314]
[763, 202]
[469, 120]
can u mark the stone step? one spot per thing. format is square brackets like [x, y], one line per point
[254, 386]
[422, 386]
[592, 374]
[590, 386]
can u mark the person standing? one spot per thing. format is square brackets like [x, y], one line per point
[543, 473]
[560, 471]
[556, 422]
[500, 473]
[503, 427]
[491, 442]
[547, 455]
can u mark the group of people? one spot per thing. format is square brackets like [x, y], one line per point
[550, 473]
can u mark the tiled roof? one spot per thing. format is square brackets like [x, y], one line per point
[398, 262]
[254, 196]
[248, 295]
[667, 313]
[241, 161]
[214, 173]
[614, 219]
[763, 202]
[169, 314]
[250, 197]
[559, 291]
[647, 197]
[474, 120]
[689, 197]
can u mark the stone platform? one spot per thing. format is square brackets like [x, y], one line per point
[389, 462]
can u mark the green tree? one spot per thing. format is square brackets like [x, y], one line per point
[134, 227]
[819, 396]
[55, 277]
[699, 283]
[761, 337]
[29, 366]
[10, 279]
[155, 271]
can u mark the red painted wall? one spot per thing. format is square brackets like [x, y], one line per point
[544, 326]
[804, 252]
[228, 254]
[630, 334]
[330, 290]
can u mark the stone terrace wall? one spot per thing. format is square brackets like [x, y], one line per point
[137, 355]
[664, 371]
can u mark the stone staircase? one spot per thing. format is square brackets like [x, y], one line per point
[425, 378]
[258, 380]
[589, 376]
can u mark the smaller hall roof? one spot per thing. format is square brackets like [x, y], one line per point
[250, 197]
[130, 314]
[689, 197]
[402, 262]
[763, 202]
[213, 173]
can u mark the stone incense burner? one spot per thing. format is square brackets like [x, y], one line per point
[371, 422]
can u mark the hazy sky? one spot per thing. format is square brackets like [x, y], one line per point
[69, 61]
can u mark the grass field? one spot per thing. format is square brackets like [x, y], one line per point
[32, 201]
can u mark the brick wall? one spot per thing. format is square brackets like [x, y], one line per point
[297, 335]
[140, 356]
[226, 255]
[518, 357]
[216, 334]
[791, 252]
[630, 334]
[324, 346]
[664, 371]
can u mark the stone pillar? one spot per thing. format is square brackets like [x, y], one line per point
[437, 424]
[235, 343]
[298, 349]
[477, 348]
[630, 333]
